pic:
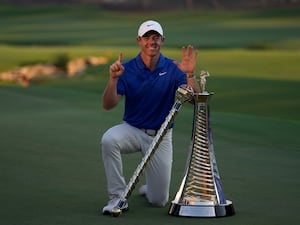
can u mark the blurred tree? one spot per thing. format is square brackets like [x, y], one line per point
[215, 4]
[146, 4]
[189, 4]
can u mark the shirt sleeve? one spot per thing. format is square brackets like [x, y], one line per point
[120, 87]
[181, 78]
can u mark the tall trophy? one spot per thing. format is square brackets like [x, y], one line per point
[200, 193]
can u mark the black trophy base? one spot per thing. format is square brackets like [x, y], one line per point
[202, 210]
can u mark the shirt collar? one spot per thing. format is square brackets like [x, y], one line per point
[141, 64]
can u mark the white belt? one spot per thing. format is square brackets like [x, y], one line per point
[150, 132]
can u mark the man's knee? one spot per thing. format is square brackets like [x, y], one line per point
[158, 200]
[108, 142]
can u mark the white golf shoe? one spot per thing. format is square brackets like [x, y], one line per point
[107, 210]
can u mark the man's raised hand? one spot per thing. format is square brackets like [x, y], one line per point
[188, 61]
[116, 69]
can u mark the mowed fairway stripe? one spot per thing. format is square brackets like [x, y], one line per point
[51, 170]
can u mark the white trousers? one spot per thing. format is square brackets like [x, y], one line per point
[124, 138]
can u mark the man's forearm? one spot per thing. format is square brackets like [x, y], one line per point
[110, 97]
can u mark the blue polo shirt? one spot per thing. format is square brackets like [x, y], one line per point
[149, 95]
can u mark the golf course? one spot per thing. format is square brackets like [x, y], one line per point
[51, 171]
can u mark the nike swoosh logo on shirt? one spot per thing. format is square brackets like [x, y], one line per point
[162, 73]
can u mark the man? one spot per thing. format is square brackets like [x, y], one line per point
[148, 82]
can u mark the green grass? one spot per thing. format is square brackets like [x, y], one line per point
[51, 169]
[85, 25]
[268, 64]
[50, 161]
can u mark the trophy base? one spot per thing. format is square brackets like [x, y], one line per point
[202, 210]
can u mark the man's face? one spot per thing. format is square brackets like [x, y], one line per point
[150, 43]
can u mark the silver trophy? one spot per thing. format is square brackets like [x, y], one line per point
[200, 193]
